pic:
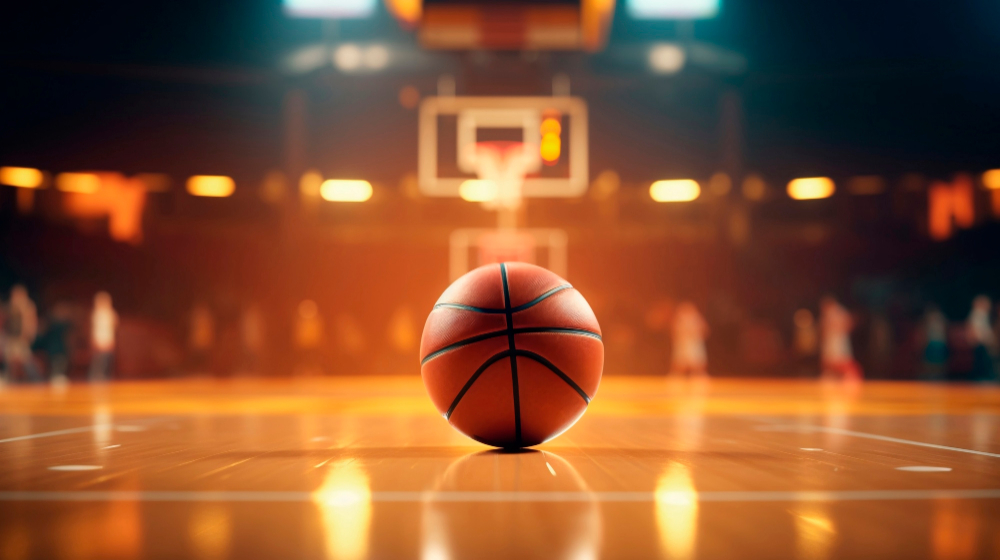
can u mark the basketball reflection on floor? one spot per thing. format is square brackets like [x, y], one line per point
[455, 528]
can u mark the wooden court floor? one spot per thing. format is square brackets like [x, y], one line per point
[352, 468]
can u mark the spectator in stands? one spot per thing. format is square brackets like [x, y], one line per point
[20, 329]
[836, 353]
[103, 323]
[982, 339]
[690, 331]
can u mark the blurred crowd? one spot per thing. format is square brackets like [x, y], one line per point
[35, 349]
[84, 342]
[966, 352]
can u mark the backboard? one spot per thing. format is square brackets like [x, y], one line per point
[553, 127]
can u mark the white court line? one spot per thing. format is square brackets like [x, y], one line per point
[839, 431]
[50, 434]
[413, 497]
[83, 429]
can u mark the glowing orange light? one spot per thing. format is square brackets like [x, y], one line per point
[119, 199]
[551, 125]
[676, 190]
[345, 190]
[83, 183]
[406, 11]
[991, 179]
[551, 148]
[24, 177]
[211, 185]
[950, 205]
[811, 188]
[477, 190]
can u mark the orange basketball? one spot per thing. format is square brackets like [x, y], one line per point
[511, 355]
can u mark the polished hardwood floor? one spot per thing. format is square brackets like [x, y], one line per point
[351, 468]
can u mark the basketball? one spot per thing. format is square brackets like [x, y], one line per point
[511, 355]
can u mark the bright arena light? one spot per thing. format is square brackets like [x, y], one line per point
[551, 125]
[24, 177]
[991, 179]
[330, 9]
[666, 58]
[376, 57]
[345, 190]
[550, 148]
[477, 190]
[676, 190]
[348, 57]
[811, 188]
[85, 183]
[673, 9]
[217, 186]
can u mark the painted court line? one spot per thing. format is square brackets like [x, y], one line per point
[69, 431]
[839, 431]
[135, 426]
[525, 496]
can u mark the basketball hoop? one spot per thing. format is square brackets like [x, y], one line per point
[501, 167]
[501, 174]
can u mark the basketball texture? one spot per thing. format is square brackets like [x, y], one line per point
[511, 355]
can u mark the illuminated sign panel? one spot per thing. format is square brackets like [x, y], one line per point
[673, 9]
[329, 9]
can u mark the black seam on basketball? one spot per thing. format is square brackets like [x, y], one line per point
[513, 359]
[494, 334]
[540, 298]
[507, 308]
[468, 384]
[538, 358]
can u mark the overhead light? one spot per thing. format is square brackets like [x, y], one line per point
[673, 9]
[811, 188]
[216, 186]
[347, 57]
[666, 58]
[991, 179]
[24, 177]
[345, 190]
[329, 9]
[84, 183]
[676, 190]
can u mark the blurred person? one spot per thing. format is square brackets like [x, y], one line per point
[689, 333]
[103, 323]
[20, 329]
[836, 354]
[934, 338]
[983, 340]
[55, 342]
[202, 336]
